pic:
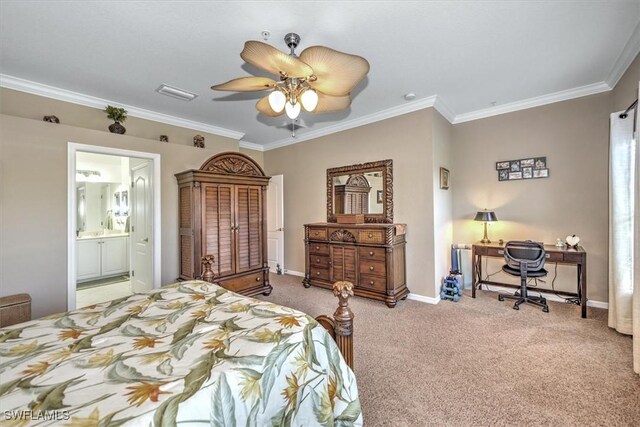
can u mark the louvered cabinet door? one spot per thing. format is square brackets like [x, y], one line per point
[343, 263]
[248, 215]
[187, 255]
[217, 226]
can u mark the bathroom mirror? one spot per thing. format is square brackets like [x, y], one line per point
[101, 206]
[361, 189]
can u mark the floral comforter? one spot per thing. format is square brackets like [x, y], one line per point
[192, 353]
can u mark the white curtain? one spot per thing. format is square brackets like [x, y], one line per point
[623, 247]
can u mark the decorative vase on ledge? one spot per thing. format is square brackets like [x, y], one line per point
[117, 128]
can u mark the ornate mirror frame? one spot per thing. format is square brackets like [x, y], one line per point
[384, 166]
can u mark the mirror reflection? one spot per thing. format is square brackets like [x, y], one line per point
[360, 193]
[102, 206]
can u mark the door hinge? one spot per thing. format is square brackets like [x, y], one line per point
[133, 273]
[133, 228]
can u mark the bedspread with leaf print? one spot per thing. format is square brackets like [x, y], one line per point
[189, 354]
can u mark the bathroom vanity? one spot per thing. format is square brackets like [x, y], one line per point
[102, 256]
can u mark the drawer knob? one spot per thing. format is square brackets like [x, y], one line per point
[258, 279]
[317, 273]
[371, 282]
[317, 259]
[317, 248]
[370, 235]
[371, 268]
[547, 256]
[370, 253]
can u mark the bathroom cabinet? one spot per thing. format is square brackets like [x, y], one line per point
[102, 257]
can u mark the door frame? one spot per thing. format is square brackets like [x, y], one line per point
[72, 149]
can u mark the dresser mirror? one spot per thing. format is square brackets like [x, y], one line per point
[361, 189]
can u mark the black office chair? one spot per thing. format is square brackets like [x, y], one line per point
[524, 260]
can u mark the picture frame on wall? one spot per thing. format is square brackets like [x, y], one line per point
[444, 178]
[541, 173]
[522, 169]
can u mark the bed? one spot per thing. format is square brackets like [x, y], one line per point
[188, 354]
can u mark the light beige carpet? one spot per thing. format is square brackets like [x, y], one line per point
[479, 362]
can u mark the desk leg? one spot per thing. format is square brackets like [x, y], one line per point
[474, 267]
[582, 280]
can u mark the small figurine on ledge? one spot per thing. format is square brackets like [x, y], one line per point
[572, 241]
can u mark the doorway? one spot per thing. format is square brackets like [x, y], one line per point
[275, 224]
[114, 243]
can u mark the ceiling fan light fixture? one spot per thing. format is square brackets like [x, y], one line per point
[277, 100]
[309, 99]
[293, 110]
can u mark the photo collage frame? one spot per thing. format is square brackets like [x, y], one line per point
[530, 168]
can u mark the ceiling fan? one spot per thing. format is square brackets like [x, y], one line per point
[320, 80]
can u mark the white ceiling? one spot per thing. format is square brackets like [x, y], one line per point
[469, 54]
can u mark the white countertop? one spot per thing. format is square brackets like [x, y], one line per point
[103, 236]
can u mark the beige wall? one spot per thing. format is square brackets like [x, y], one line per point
[408, 140]
[442, 199]
[574, 136]
[21, 104]
[626, 91]
[33, 203]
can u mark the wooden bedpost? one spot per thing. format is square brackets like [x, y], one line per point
[341, 326]
[207, 268]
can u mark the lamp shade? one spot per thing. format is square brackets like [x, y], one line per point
[487, 216]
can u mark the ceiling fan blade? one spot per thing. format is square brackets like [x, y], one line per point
[270, 59]
[246, 84]
[263, 106]
[337, 72]
[328, 103]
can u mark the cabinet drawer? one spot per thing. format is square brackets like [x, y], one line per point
[373, 282]
[554, 257]
[372, 267]
[318, 233]
[321, 261]
[371, 236]
[572, 257]
[318, 248]
[319, 273]
[372, 254]
[497, 252]
[242, 283]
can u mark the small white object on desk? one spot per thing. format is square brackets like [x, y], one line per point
[573, 240]
[559, 243]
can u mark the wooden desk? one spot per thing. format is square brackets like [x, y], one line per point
[560, 255]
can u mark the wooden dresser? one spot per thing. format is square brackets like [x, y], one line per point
[223, 214]
[372, 256]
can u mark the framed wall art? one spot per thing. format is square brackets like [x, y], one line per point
[529, 168]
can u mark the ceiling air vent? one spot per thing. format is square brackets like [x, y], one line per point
[174, 92]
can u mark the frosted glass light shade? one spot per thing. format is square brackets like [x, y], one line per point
[277, 100]
[309, 99]
[293, 110]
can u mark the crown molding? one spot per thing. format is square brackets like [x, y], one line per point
[628, 54]
[444, 109]
[537, 101]
[47, 91]
[354, 123]
[251, 146]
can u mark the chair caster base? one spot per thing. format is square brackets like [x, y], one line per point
[500, 298]
[516, 307]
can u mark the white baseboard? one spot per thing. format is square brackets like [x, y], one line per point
[422, 298]
[294, 273]
[549, 296]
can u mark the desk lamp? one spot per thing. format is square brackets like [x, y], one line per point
[485, 216]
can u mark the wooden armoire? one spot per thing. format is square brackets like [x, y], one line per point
[353, 197]
[223, 213]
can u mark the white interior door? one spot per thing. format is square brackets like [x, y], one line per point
[141, 231]
[275, 223]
